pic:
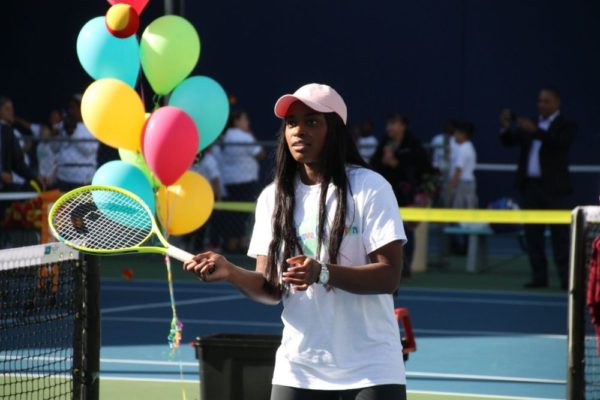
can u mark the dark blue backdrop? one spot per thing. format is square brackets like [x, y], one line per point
[431, 59]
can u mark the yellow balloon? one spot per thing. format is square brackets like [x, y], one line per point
[186, 205]
[114, 113]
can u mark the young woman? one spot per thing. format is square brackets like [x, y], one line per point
[328, 243]
[401, 159]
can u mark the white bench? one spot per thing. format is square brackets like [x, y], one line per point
[477, 250]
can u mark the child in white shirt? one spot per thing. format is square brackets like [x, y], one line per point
[463, 188]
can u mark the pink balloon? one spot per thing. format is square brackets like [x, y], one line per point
[169, 143]
[138, 5]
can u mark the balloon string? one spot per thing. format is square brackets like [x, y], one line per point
[142, 90]
[175, 332]
[141, 78]
[156, 100]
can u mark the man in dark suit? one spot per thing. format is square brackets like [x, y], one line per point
[12, 158]
[543, 178]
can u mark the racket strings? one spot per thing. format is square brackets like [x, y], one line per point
[102, 219]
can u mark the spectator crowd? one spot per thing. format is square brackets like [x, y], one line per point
[61, 153]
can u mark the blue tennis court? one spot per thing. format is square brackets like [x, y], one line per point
[506, 344]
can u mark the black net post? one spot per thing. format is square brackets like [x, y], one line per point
[92, 333]
[86, 350]
[575, 362]
[78, 367]
[86, 331]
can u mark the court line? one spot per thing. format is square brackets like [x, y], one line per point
[484, 301]
[162, 289]
[162, 380]
[280, 325]
[487, 378]
[560, 295]
[487, 396]
[468, 292]
[148, 362]
[147, 306]
[157, 281]
[197, 321]
[401, 298]
[408, 374]
[488, 333]
[411, 374]
[107, 377]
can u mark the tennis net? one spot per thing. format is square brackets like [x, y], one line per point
[583, 379]
[49, 347]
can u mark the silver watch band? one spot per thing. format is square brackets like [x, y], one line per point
[323, 275]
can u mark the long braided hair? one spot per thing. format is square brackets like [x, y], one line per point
[339, 150]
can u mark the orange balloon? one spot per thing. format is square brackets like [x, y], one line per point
[185, 205]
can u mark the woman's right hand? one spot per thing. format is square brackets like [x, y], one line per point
[209, 266]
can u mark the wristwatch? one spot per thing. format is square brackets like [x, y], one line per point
[324, 275]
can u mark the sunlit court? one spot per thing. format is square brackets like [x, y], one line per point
[299, 200]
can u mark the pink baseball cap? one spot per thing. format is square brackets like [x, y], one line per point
[321, 98]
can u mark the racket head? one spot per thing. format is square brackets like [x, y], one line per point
[103, 219]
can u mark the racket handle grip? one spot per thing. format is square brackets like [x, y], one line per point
[179, 254]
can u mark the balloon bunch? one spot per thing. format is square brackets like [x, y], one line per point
[156, 149]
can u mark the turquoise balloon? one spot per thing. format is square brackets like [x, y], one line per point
[126, 176]
[103, 55]
[206, 102]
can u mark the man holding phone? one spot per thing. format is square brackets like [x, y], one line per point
[543, 178]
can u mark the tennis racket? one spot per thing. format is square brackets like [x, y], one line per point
[107, 220]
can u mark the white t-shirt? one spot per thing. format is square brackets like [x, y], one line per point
[77, 158]
[534, 169]
[333, 339]
[438, 143]
[208, 167]
[465, 158]
[239, 164]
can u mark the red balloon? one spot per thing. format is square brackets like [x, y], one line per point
[169, 143]
[138, 5]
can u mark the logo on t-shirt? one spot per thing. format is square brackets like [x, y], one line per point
[308, 235]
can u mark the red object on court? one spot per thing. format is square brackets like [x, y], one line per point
[127, 274]
[593, 289]
[409, 344]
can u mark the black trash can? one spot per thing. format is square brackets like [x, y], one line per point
[236, 366]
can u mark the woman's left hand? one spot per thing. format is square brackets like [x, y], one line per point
[303, 272]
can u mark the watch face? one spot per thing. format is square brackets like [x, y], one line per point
[324, 275]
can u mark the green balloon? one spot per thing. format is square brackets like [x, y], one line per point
[136, 158]
[169, 51]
